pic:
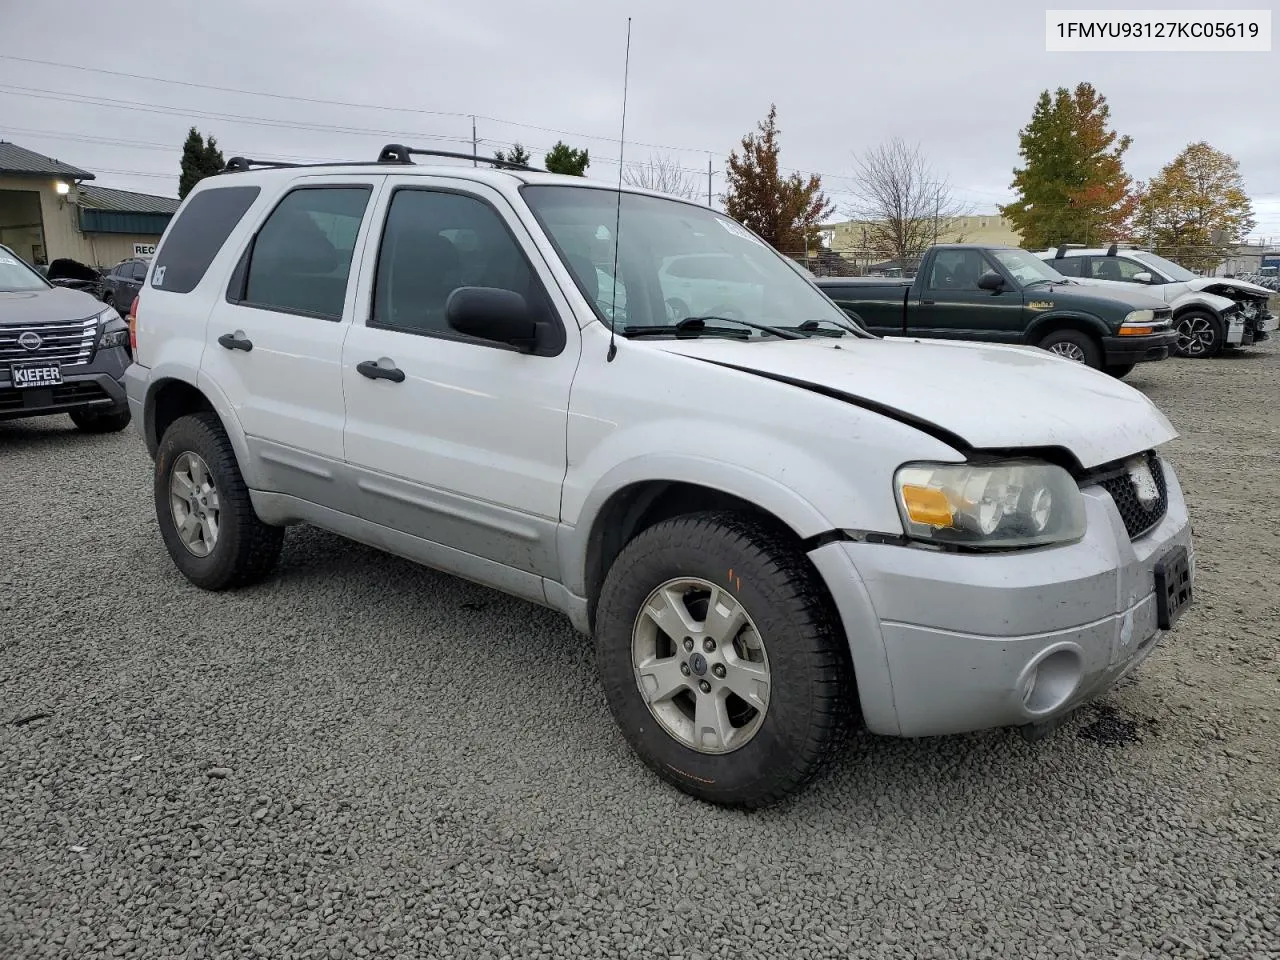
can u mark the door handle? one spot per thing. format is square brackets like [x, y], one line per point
[927, 303]
[373, 371]
[236, 341]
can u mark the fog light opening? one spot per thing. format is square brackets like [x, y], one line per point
[1050, 682]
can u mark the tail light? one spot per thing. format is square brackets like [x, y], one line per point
[133, 327]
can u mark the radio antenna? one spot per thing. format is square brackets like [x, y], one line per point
[617, 221]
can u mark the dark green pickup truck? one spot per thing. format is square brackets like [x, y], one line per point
[1007, 295]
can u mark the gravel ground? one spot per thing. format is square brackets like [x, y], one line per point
[365, 758]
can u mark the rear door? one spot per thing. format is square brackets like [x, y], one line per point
[274, 340]
[953, 307]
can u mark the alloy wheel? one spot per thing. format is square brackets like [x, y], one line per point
[1070, 351]
[701, 666]
[1195, 336]
[193, 499]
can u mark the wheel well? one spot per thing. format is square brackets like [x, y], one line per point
[1064, 323]
[173, 399]
[639, 506]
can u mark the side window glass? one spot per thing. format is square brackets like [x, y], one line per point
[957, 270]
[1067, 266]
[435, 242]
[300, 260]
[196, 236]
[139, 271]
[1116, 268]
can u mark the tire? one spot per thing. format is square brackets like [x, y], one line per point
[108, 300]
[1074, 345]
[1119, 370]
[244, 550]
[91, 421]
[773, 753]
[1200, 335]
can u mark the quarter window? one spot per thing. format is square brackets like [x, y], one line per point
[196, 236]
[435, 242]
[300, 261]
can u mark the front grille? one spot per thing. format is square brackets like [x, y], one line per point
[64, 394]
[1138, 517]
[68, 342]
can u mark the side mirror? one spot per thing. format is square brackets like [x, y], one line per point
[489, 313]
[991, 281]
[1143, 277]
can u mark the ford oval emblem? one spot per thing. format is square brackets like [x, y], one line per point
[30, 340]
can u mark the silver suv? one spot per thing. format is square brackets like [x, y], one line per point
[768, 519]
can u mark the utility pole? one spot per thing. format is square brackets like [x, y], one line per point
[475, 145]
[708, 179]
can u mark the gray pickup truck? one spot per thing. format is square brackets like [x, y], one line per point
[1008, 295]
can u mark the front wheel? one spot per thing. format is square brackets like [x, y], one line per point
[721, 659]
[1199, 335]
[94, 421]
[1074, 345]
[202, 504]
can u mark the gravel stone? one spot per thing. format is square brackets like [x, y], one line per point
[364, 758]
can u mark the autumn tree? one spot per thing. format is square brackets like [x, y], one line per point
[665, 175]
[564, 159]
[200, 158]
[785, 211]
[1195, 210]
[517, 154]
[1072, 187]
[902, 204]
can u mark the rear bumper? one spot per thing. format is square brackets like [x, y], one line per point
[95, 386]
[1155, 346]
[948, 643]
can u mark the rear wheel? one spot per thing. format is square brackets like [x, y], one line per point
[202, 505]
[94, 421]
[1199, 335]
[1119, 370]
[721, 659]
[1074, 345]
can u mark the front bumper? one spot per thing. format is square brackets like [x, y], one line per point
[946, 643]
[1123, 350]
[92, 386]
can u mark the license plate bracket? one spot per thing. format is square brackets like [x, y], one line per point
[27, 376]
[1173, 587]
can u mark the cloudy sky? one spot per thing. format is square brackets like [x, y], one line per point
[337, 79]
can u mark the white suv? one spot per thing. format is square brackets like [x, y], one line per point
[767, 522]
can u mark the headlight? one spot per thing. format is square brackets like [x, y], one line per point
[1024, 503]
[1141, 317]
[115, 332]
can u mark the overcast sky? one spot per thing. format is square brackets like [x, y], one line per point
[960, 78]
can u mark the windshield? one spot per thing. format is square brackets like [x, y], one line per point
[1026, 267]
[675, 261]
[16, 276]
[1167, 267]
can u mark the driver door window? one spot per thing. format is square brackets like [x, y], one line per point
[1116, 268]
[957, 270]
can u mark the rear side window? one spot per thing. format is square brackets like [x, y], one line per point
[197, 235]
[300, 260]
[139, 271]
[1067, 266]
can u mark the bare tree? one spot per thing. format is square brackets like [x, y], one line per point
[665, 175]
[902, 204]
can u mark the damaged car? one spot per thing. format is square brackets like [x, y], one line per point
[1210, 313]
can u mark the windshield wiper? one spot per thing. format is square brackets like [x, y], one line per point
[684, 333]
[1032, 283]
[698, 323]
[811, 326]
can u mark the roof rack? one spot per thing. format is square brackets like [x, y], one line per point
[391, 153]
[1063, 248]
[398, 153]
[1115, 247]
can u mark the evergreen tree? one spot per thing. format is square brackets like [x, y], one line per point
[200, 159]
[563, 159]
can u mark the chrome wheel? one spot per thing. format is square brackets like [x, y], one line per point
[194, 502]
[701, 666]
[1069, 350]
[1195, 336]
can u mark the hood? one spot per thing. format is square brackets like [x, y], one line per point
[990, 397]
[45, 306]
[1173, 294]
[1085, 292]
[1222, 283]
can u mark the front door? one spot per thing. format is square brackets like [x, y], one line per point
[454, 440]
[953, 306]
[274, 342]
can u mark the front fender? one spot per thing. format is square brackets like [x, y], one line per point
[1199, 300]
[1052, 319]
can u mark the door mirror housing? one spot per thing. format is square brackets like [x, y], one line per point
[490, 313]
[991, 281]
[1143, 277]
